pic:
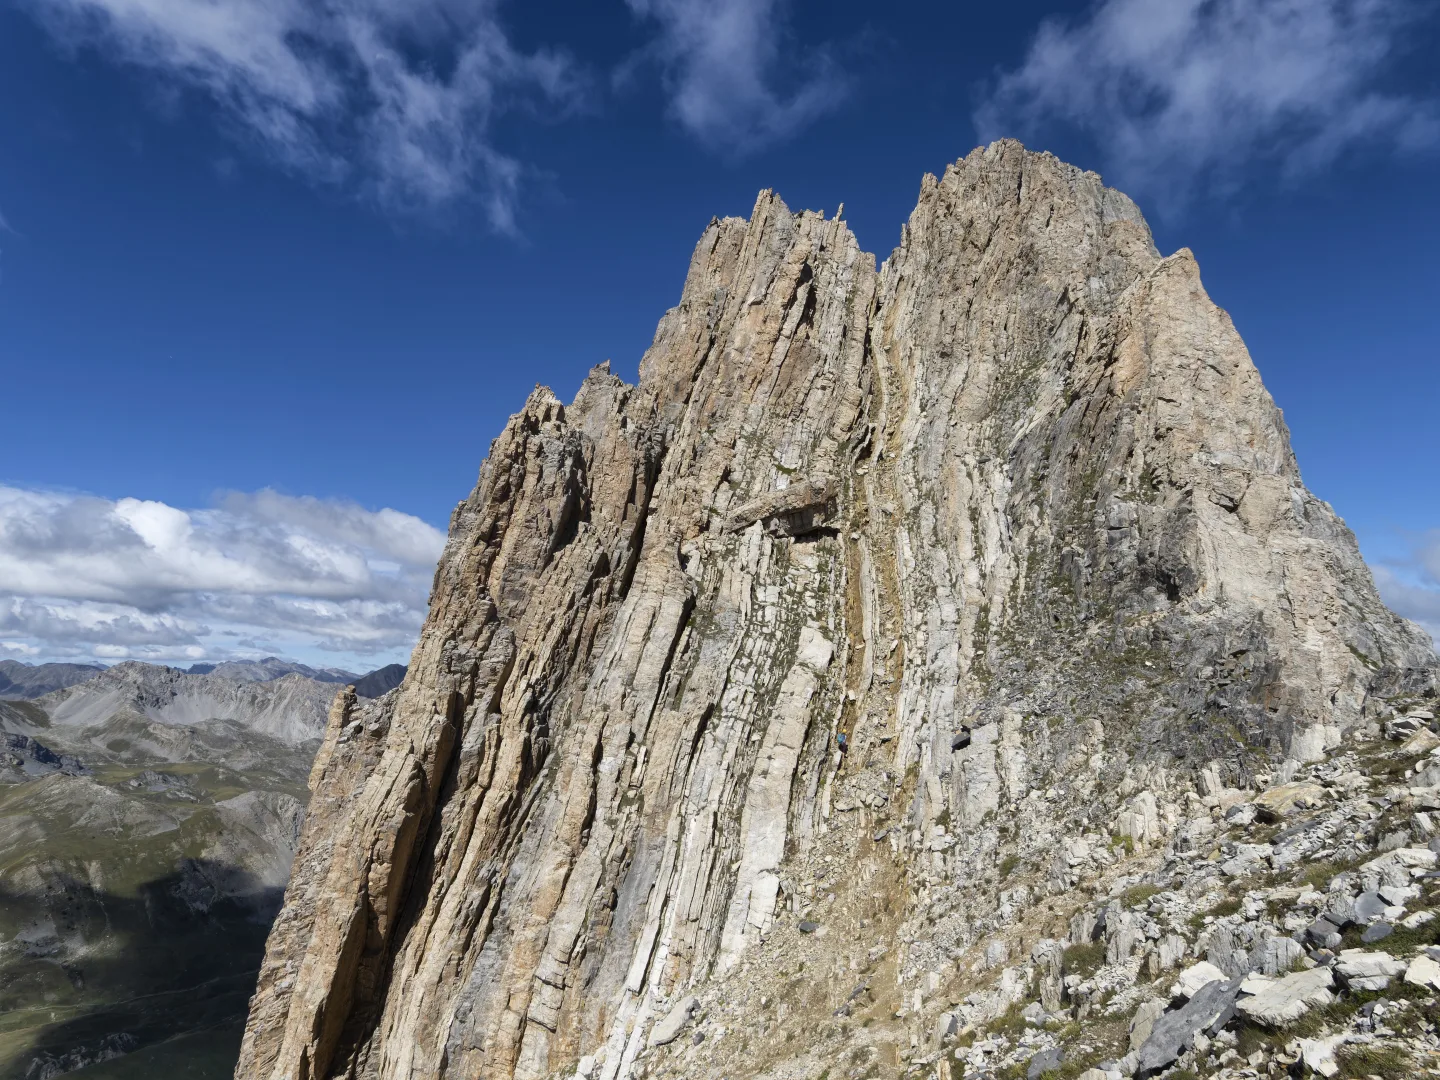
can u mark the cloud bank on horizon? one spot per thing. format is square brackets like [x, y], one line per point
[1411, 586]
[84, 578]
[1183, 94]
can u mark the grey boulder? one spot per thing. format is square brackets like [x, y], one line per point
[1209, 1010]
[668, 1029]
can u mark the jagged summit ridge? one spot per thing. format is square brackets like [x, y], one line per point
[867, 553]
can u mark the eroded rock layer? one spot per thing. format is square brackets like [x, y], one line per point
[868, 558]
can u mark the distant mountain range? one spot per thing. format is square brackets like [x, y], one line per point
[21, 681]
[272, 667]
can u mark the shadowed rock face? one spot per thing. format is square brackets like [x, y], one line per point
[1013, 514]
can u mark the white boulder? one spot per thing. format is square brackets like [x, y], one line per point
[1282, 1001]
[1195, 978]
[1423, 972]
[1363, 970]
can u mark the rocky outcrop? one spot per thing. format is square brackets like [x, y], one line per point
[22, 757]
[839, 644]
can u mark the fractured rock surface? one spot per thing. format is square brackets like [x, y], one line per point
[879, 603]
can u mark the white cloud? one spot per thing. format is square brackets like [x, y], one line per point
[395, 98]
[726, 64]
[1412, 586]
[1182, 93]
[86, 576]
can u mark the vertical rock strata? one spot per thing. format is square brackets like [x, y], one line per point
[1013, 511]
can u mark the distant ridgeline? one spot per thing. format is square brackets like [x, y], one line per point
[21, 680]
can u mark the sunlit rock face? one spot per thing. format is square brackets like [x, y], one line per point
[882, 591]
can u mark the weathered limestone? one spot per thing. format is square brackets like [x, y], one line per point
[668, 1029]
[1195, 978]
[1362, 970]
[1423, 971]
[897, 547]
[1287, 999]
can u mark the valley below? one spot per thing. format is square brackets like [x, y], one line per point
[148, 820]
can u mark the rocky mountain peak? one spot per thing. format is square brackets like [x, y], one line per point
[838, 650]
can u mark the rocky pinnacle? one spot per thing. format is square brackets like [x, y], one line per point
[871, 566]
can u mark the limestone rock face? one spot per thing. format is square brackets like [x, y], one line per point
[870, 569]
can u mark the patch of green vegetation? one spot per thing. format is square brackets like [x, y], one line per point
[28, 712]
[1403, 943]
[1335, 1015]
[1367, 661]
[1148, 488]
[1139, 894]
[1083, 960]
[1251, 1037]
[1276, 909]
[1010, 1022]
[1127, 842]
[1386, 1062]
[167, 959]
[201, 1055]
[1067, 1031]
[1008, 864]
[1389, 768]
[1231, 905]
[1228, 906]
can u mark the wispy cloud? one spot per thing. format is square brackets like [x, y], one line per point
[82, 576]
[1411, 586]
[733, 79]
[395, 99]
[1184, 93]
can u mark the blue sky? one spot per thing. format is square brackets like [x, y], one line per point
[268, 269]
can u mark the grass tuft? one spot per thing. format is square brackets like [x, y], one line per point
[1083, 960]
[1138, 894]
[1386, 1062]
